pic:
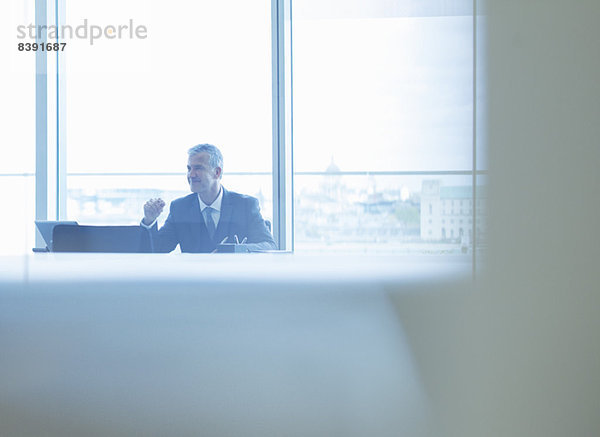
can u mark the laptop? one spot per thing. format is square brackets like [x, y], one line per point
[107, 239]
[46, 227]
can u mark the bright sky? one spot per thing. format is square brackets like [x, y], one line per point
[374, 94]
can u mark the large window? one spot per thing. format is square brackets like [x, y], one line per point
[362, 117]
[134, 106]
[17, 136]
[383, 126]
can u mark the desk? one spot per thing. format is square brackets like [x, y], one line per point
[178, 268]
[215, 345]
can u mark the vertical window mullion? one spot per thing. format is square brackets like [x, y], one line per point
[282, 139]
[41, 121]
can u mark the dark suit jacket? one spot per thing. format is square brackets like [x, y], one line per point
[240, 215]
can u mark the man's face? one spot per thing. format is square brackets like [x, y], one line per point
[201, 177]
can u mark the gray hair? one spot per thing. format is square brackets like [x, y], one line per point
[216, 159]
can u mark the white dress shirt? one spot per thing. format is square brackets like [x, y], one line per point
[216, 210]
[216, 207]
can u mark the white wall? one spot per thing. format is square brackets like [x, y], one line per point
[544, 140]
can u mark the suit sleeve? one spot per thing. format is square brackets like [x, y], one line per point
[259, 237]
[163, 240]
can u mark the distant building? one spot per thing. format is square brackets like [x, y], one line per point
[332, 184]
[447, 212]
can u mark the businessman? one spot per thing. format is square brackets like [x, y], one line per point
[211, 214]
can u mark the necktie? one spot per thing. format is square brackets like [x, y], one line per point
[208, 220]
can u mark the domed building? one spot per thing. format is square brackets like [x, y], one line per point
[332, 185]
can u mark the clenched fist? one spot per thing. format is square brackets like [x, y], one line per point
[152, 209]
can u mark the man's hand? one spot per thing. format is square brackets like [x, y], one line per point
[152, 209]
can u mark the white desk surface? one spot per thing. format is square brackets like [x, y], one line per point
[253, 268]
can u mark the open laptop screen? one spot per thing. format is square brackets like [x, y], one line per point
[47, 226]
